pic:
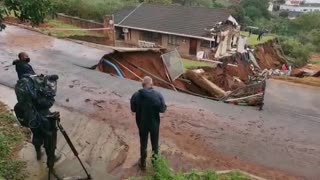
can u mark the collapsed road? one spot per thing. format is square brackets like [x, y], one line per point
[281, 142]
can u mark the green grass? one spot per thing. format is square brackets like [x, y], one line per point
[63, 34]
[162, 171]
[224, 2]
[252, 41]
[193, 64]
[11, 138]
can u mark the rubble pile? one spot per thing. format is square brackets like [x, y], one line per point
[311, 70]
[236, 84]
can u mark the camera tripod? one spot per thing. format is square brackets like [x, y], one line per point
[54, 119]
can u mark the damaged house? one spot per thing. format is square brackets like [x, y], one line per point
[187, 29]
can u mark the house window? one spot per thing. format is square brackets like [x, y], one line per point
[151, 36]
[205, 44]
[173, 40]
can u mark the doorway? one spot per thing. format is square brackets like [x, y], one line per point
[193, 47]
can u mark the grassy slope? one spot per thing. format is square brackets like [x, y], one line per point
[253, 38]
[11, 139]
[192, 64]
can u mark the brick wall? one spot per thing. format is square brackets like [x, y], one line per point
[183, 47]
[184, 43]
[134, 36]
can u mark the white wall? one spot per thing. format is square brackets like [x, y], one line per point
[293, 2]
[299, 8]
[312, 1]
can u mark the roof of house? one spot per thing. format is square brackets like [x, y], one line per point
[177, 20]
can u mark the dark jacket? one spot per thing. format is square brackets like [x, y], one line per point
[148, 104]
[23, 68]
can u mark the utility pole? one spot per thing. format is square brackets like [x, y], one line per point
[110, 30]
[114, 31]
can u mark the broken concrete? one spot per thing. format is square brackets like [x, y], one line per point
[204, 83]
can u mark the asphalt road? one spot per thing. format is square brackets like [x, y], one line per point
[285, 136]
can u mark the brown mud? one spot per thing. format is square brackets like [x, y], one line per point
[183, 142]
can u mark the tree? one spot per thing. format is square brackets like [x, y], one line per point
[307, 22]
[2, 13]
[205, 3]
[281, 1]
[253, 12]
[237, 12]
[256, 9]
[166, 2]
[284, 14]
[216, 4]
[34, 11]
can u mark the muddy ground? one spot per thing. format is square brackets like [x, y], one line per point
[280, 142]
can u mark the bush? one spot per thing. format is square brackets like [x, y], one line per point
[94, 9]
[284, 14]
[11, 138]
[162, 171]
[296, 50]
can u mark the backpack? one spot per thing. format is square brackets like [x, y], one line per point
[34, 94]
[24, 109]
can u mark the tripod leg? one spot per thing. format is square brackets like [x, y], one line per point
[75, 152]
[50, 147]
[49, 174]
[52, 172]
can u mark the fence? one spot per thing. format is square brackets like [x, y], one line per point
[82, 23]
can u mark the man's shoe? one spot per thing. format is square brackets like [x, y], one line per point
[57, 157]
[143, 165]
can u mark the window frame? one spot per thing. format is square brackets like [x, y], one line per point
[173, 40]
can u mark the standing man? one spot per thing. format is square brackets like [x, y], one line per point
[23, 67]
[147, 103]
[260, 35]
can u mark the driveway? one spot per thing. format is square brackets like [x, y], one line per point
[281, 142]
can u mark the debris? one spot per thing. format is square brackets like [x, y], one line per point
[115, 93]
[98, 103]
[231, 79]
[204, 83]
[311, 70]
